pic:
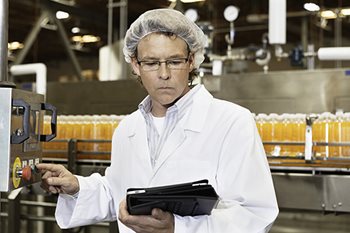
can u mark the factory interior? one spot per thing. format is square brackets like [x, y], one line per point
[286, 61]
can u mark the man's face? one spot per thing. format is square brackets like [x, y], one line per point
[164, 85]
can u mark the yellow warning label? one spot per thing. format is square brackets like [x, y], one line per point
[17, 165]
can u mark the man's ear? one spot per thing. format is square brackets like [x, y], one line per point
[135, 66]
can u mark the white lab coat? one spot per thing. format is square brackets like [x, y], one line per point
[216, 140]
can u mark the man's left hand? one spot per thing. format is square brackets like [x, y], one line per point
[159, 222]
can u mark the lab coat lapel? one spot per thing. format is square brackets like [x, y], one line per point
[193, 122]
[174, 141]
[138, 139]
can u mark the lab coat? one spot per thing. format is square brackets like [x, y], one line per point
[215, 140]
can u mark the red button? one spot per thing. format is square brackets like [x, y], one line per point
[27, 173]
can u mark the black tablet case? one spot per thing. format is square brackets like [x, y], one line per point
[186, 199]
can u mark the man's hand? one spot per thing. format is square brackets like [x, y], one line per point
[57, 179]
[158, 222]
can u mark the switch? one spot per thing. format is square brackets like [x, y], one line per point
[25, 173]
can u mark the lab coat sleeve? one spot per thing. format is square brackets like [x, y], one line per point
[93, 204]
[244, 183]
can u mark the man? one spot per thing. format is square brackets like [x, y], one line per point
[179, 134]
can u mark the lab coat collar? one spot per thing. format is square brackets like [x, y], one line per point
[199, 110]
[194, 120]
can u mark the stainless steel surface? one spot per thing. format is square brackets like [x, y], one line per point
[5, 127]
[328, 193]
[285, 92]
[110, 97]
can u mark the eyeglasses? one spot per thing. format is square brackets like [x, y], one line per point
[172, 64]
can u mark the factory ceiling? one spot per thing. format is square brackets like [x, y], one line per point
[91, 17]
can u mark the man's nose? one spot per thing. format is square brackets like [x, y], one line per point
[164, 71]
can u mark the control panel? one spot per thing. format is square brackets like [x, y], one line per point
[21, 127]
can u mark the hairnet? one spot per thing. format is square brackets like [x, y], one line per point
[165, 20]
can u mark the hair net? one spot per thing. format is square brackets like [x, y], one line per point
[165, 20]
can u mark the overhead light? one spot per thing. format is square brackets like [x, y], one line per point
[62, 15]
[188, 1]
[15, 45]
[192, 14]
[65, 2]
[75, 30]
[231, 13]
[86, 39]
[345, 12]
[311, 7]
[328, 14]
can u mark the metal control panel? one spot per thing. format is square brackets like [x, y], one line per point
[21, 127]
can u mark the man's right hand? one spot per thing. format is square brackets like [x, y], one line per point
[57, 179]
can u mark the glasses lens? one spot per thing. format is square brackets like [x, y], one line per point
[173, 64]
[150, 65]
[177, 64]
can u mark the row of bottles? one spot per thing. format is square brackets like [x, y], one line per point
[328, 127]
[82, 127]
[282, 128]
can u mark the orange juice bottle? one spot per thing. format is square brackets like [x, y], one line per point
[294, 134]
[114, 121]
[105, 132]
[267, 133]
[335, 134]
[61, 132]
[46, 131]
[316, 135]
[86, 133]
[276, 133]
[77, 122]
[345, 134]
[286, 131]
[260, 121]
[325, 120]
[299, 131]
[69, 131]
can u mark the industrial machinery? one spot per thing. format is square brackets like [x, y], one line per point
[21, 123]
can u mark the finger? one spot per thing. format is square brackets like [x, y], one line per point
[158, 214]
[53, 190]
[55, 181]
[46, 175]
[49, 167]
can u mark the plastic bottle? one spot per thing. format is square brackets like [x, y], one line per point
[345, 132]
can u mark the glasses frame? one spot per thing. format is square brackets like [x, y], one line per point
[166, 61]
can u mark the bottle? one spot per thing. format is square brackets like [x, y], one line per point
[345, 132]
[286, 133]
[276, 123]
[299, 131]
[267, 133]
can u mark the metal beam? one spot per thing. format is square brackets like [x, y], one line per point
[66, 43]
[82, 13]
[29, 41]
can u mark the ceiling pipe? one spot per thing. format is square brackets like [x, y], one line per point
[4, 82]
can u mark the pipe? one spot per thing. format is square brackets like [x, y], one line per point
[39, 69]
[334, 53]
[277, 21]
[3, 39]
